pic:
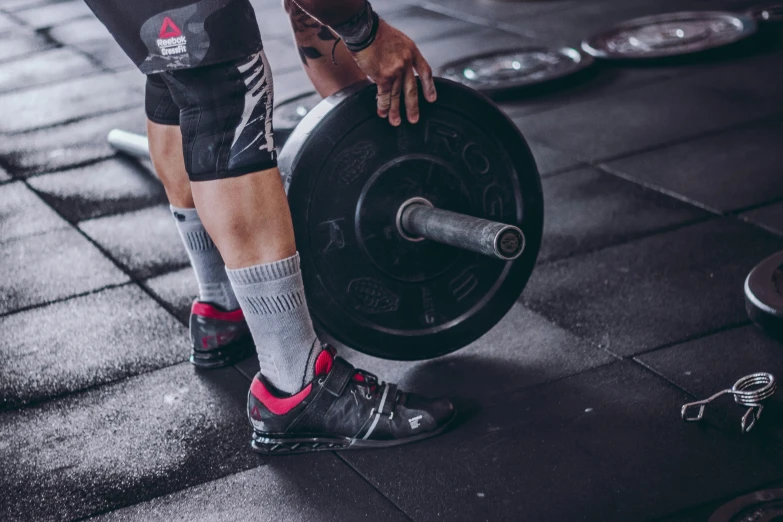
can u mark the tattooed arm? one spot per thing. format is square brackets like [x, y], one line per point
[387, 56]
[327, 61]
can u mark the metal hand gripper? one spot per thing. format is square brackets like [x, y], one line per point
[748, 391]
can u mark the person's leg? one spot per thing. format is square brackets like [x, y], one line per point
[326, 60]
[231, 160]
[165, 142]
[218, 332]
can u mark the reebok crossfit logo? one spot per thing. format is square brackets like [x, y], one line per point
[171, 41]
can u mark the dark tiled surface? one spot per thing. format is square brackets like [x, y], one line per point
[106, 187]
[50, 105]
[551, 161]
[524, 349]
[80, 31]
[726, 171]
[51, 266]
[653, 291]
[492, 11]
[740, 351]
[177, 289]
[611, 438]
[53, 14]
[19, 44]
[147, 436]
[569, 25]
[84, 342]
[22, 213]
[146, 241]
[618, 210]
[769, 217]
[42, 68]
[552, 427]
[444, 50]
[302, 489]
[67, 145]
[107, 53]
[422, 25]
[658, 114]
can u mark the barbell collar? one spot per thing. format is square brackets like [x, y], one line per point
[418, 219]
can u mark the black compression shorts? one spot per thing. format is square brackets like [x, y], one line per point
[225, 113]
[165, 35]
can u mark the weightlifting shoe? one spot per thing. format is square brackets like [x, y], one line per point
[342, 408]
[218, 338]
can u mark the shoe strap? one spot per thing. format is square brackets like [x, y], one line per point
[386, 408]
[341, 373]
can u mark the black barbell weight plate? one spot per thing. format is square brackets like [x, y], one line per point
[347, 171]
[670, 35]
[760, 506]
[289, 113]
[764, 295]
[511, 70]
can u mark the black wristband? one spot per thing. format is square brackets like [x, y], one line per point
[359, 32]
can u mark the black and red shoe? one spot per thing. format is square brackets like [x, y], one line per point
[218, 338]
[342, 408]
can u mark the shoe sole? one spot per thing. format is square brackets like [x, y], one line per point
[273, 444]
[221, 358]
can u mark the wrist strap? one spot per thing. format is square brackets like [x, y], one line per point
[359, 32]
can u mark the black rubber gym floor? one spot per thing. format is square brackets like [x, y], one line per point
[663, 188]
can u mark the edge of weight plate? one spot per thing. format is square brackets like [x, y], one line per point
[755, 13]
[726, 512]
[586, 61]
[749, 28]
[302, 131]
[763, 270]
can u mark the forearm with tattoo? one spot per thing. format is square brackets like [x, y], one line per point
[331, 12]
[313, 38]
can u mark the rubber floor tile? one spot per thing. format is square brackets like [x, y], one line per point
[422, 25]
[99, 189]
[618, 211]
[17, 44]
[120, 444]
[300, 489]
[55, 104]
[659, 114]
[523, 350]
[728, 171]
[439, 52]
[107, 53]
[79, 31]
[552, 161]
[653, 291]
[146, 242]
[45, 267]
[22, 213]
[177, 289]
[43, 68]
[708, 365]
[67, 145]
[53, 14]
[84, 342]
[604, 445]
[769, 217]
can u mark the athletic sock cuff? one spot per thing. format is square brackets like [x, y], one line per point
[265, 272]
[185, 214]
